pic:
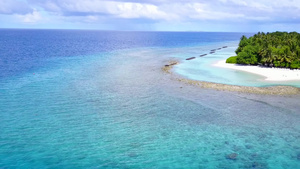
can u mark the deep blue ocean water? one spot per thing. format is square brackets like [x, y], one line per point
[98, 99]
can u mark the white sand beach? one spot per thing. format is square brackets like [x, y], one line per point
[271, 74]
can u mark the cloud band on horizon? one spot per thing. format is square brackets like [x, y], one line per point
[152, 14]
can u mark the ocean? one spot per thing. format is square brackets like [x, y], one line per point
[99, 99]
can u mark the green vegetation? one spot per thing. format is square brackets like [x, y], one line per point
[278, 49]
[232, 59]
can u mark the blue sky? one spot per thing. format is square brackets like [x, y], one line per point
[153, 15]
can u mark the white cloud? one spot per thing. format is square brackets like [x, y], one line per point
[33, 17]
[14, 7]
[52, 6]
[111, 8]
[172, 10]
[200, 11]
[135, 12]
[92, 18]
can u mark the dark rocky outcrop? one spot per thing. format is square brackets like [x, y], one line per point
[232, 156]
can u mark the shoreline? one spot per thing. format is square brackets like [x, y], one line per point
[270, 74]
[271, 90]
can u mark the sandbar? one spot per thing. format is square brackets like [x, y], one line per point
[270, 74]
[271, 90]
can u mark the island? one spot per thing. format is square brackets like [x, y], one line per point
[274, 56]
[277, 49]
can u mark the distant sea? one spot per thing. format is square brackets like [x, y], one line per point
[99, 99]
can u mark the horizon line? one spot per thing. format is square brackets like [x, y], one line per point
[104, 30]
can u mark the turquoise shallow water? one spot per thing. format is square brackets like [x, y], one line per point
[202, 69]
[118, 109]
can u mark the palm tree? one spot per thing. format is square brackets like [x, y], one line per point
[279, 48]
[285, 55]
[267, 57]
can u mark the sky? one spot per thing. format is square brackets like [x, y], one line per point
[153, 15]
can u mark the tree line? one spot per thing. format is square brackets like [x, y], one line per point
[277, 49]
